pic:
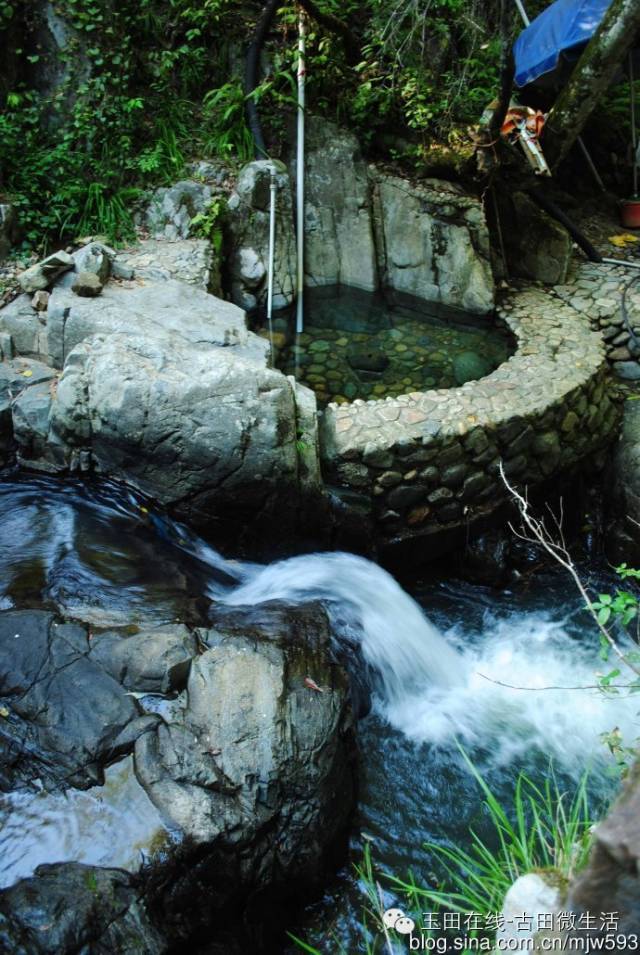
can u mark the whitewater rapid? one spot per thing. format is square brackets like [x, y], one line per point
[521, 683]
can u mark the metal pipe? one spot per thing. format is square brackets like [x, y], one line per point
[523, 13]
[624, 262]
[300, 174]
[634, 133]
[272, 256]
[591, 164]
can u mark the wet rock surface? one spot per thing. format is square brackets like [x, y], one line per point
[610, 882]
[257, 767]
[68, 908]
[251, 768]
[66, 717]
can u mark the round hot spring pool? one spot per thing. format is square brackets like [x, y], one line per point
[361, 345]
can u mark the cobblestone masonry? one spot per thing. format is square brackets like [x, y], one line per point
[595, 290]
[428, 460]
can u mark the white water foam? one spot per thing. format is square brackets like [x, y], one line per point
[366, 604]
[540, 707]
[440, 690]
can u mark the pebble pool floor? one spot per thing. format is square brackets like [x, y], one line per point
[345, 332]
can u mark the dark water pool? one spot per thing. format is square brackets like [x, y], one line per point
[359, 345]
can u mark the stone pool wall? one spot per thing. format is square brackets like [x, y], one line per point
[428, 461]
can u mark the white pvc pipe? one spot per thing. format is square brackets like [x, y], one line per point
[625, 263]
[523, 13]
[300, 175]
[272, 256]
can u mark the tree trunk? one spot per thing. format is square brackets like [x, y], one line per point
[595, 70]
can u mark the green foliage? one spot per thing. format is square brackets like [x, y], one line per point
[209, 224]
[149, 85]
[225, 130]
[127, 106]
[545, 829]
[616, 610]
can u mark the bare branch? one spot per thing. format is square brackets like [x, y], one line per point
[538, 689]
[560, 554]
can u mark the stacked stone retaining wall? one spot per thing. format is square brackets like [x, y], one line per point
[431, 460]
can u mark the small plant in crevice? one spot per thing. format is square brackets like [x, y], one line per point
[209, 224]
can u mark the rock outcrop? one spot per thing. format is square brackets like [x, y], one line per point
[251, 767]
[160, 384]
[257, 768]
[433, 243]
[611, 881]
[198, 430]
[364, 228]
[68, 908]
[248, 237]
[623, 492]
[339, 240]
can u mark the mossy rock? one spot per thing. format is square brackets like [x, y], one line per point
[469, 366]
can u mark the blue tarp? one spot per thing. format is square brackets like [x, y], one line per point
[563, 26]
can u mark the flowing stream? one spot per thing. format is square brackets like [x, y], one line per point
[449, 663]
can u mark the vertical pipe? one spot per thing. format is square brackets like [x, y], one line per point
[300, 174]
[272, 256]
[523, 13]
[594, 172]
[634, 132]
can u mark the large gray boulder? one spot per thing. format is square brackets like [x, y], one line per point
[162, 386]
[198, 428]
[433, 243]
[68, 908]
[258, 767]
[339, 241]
[251, 765]
[167, 311]
[248, 237]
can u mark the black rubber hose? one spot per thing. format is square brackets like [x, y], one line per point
[252, 67]
[556, 213]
